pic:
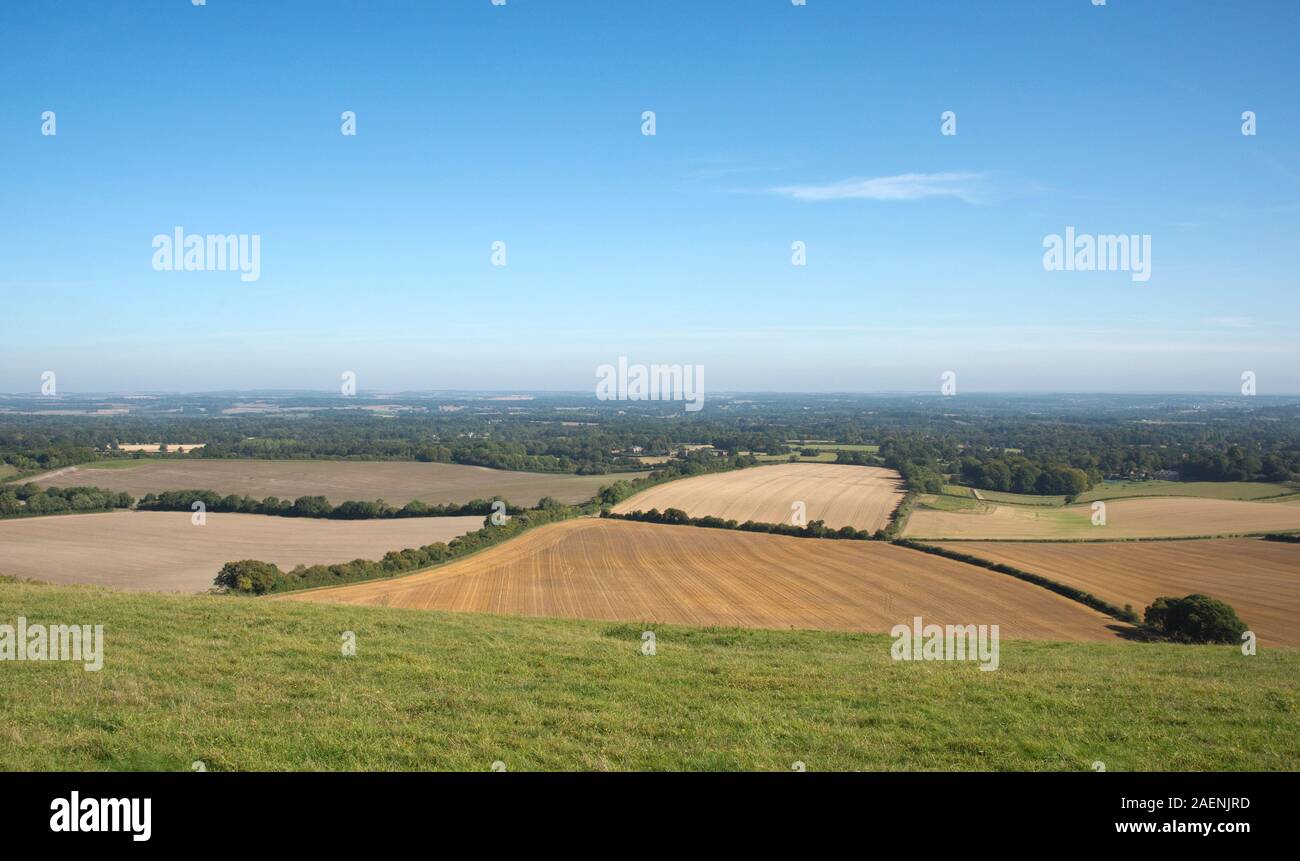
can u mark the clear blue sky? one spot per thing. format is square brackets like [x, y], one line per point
[522, 123]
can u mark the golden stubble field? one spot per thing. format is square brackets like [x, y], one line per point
[396, 482]
[1144, 517]
[163, 551]
[1260, 579]
[641, 572]
[841, 495]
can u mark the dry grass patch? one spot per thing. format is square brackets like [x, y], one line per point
[163, 551]
[396, 482]
[859, 496]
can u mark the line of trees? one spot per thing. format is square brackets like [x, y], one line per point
[1237, 464]
[319, 506]
[814, 529]
[254, 577]
[29, 500]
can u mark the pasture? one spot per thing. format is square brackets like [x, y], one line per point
[1107, 490]
[164, 551]
[859, 496]
[1260, 579]
[1145, 517]
[250, 684]
[396, 482]
[833, 446]
[641, 572]
[820, 457]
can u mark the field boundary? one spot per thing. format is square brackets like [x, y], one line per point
[900, 515]
[457, 548]
[1086, 598]
[1212, 537]
[889, 532]
[681, 518]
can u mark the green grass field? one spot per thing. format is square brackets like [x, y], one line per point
[1248, 490]
[821, 457]
[1022, 498]
[1207, 489]
[833, 446]
[6, 470]
[951, 502]
[247, 684]
[118, 463]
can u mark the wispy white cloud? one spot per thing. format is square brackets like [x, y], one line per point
[1231, 322]
[963, 185]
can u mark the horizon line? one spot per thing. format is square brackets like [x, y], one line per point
[382, 393]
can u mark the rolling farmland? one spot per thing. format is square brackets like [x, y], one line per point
[1260, 579]
[163, 551]
[396, 482]
[859, 496]
[1145, 517]
[639, 572]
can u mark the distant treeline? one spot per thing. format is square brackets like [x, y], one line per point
[1018, 474]
[990, 442]
[253, 577]
[319, 506]
[517, 437]
[859, 458]
[1236, 463]
[28, 500]
[1060, 469]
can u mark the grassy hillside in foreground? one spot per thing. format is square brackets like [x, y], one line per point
[250, 684]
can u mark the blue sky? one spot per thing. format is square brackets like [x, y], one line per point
[774, 124]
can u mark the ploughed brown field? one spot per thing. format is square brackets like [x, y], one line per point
[643, 572]
[1260, 579]
[162, 551]
[859, 496]
[1138, 517]
[396, 482]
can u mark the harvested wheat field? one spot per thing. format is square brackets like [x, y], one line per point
[859, 496]
[1145, 517]
[396, 482]
[1260, 579]
[162, 551]
[644, 572]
